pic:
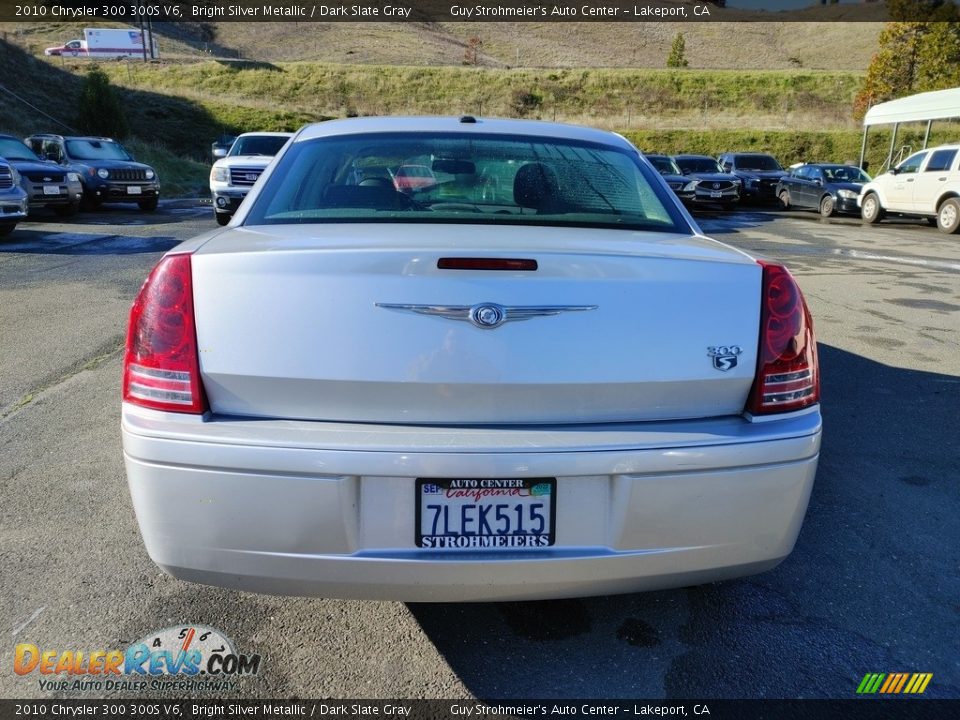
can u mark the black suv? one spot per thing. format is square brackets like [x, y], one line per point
[106, 169]
[759, 173]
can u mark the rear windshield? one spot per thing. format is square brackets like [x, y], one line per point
[698, 165]
[494, 179]
[757, 162]
[96, 150]
[268, 145]
[664, 165]
[845, 173]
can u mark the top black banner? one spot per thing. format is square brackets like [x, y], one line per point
[606, 11]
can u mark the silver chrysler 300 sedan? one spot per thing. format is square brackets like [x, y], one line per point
[531, 378]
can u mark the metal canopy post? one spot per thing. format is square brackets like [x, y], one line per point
[863, 145]
[926, 135]
[893, 142]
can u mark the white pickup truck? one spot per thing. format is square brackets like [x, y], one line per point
[926, 184]
[232, 177]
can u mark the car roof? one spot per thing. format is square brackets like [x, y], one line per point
[265, 133]
[828, 164]
[694, 157]
[51, 136]
[466, 124]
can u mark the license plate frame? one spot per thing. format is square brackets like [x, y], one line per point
[134, 190]
[716, 194]
[51, 189]
[457, 493]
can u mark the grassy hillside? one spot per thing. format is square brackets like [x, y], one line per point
[239, 93]
[714, 45]
[160, 123]
[177, 106]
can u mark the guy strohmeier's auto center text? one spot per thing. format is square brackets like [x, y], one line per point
[369, 10]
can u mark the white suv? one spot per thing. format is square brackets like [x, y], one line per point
[926, 184]
[232, 177]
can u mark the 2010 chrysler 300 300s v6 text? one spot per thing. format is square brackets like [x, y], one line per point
[533, 377]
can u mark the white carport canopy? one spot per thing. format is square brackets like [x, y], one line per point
[936, 105]
[924, 107]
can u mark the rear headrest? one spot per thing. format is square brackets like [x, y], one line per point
[535, 186]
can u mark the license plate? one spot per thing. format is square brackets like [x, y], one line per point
[133, 190]
[716, 194]
[487, 514]
[51, 189]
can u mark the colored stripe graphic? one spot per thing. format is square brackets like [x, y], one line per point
[918, 683]
[903, 680]
[894, 683]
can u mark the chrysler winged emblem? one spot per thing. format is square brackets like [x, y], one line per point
[487, 315]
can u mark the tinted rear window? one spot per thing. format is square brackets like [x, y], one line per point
[756, 162]
[699, 165]
[475, 179]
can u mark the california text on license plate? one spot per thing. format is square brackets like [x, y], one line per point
[486, 513]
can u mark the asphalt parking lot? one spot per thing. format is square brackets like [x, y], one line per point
[873, 585]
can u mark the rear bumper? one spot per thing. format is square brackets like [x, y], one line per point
[328, 509]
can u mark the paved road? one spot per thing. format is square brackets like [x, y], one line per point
[873, 585]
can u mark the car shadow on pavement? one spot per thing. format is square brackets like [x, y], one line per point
[26, 241]
[872, 585]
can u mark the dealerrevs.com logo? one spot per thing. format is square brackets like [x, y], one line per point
[183, 657]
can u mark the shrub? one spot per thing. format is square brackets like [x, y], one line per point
[524, 102]
[100, 110]
[677, 57]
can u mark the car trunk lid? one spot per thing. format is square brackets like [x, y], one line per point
[359, 323]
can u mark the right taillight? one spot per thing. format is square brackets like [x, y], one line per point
[787, 374]
[161, 369]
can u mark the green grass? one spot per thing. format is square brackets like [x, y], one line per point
[162, 125]
[179, 176]
[317, 90]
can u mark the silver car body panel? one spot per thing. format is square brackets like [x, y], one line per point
[279, 307]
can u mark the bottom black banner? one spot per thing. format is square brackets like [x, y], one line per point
[860, 709]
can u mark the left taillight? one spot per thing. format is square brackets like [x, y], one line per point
[161, 368]
[788, 373]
